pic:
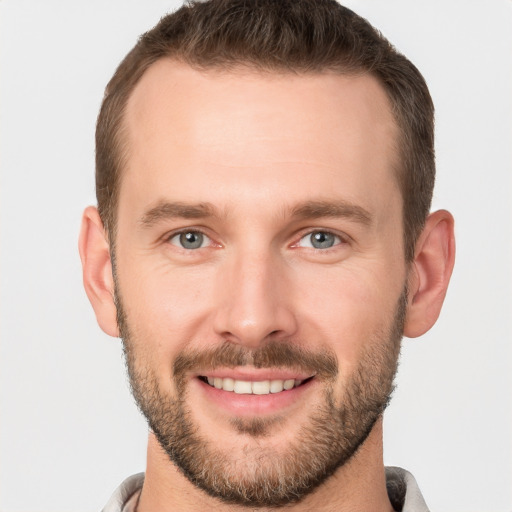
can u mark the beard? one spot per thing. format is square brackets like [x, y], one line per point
[268, 476]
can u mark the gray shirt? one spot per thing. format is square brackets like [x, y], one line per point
[403, 493]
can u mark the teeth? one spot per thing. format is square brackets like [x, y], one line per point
[288, 384]
[243, 387]
[261, 388]
[228, 384]
[276, 386]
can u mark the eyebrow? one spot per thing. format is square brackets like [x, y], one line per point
[336, 209]
[166, 210]
[307, 210]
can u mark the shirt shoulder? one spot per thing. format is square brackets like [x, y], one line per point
[125, 496]
[403, 491]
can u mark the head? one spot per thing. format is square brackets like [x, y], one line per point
[264, 174]
[296, 37]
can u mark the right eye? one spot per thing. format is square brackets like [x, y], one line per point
[190, 240]
[320, 239]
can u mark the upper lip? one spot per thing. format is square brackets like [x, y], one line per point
[255, 374]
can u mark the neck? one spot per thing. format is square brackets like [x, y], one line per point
[358, 485]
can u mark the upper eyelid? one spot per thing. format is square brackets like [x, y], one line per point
[297, 237]
[309, 231]
[323, 249]
[171, 234]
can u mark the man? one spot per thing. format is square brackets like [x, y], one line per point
[262, 242]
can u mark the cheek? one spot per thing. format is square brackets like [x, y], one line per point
[165, 307]
[348, 309]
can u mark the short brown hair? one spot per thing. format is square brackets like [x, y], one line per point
[299, 36]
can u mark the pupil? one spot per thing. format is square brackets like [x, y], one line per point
[322, 240]
[191, 240]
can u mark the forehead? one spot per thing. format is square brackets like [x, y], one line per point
[187, 127]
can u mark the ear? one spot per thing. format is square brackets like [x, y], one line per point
[97, 270]
[430, 273]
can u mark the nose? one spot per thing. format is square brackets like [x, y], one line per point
[254, 301]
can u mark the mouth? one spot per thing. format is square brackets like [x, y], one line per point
[251, 392]
[250, 387]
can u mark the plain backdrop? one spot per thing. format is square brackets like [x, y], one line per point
[69, 429]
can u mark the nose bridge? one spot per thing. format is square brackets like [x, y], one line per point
[255, 301]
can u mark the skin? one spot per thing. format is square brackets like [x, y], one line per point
[256, 147]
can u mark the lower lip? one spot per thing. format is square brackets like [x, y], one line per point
[251, 405]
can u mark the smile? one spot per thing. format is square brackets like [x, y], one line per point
[244, 387]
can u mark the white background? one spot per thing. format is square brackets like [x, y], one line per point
[69, 430]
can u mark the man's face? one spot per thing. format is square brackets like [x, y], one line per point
[260, 274]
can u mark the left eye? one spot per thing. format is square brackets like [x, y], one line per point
[319, 240]
[190, 240]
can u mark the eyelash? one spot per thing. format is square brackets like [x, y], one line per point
[339, 239]
[175, 234]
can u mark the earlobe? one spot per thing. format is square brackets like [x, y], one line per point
[430, 273]
[97, 270]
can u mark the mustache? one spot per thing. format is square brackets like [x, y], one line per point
[323, 364]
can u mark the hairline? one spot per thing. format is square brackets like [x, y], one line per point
[232, 67]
